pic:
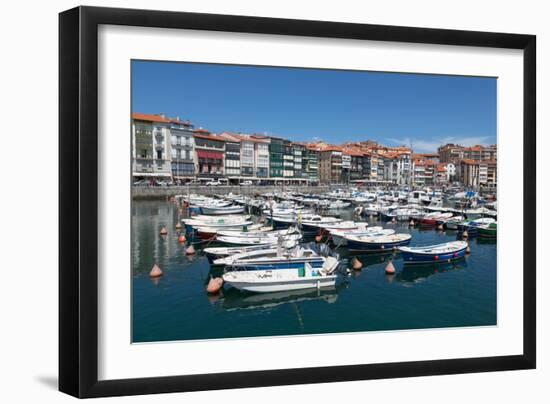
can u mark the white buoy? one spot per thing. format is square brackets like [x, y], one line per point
[190, 250]
[356, 264]
[163, 231]
[390, 269]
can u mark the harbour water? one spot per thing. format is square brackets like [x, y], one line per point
[177, 307]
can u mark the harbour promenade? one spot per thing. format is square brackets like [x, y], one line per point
[161, 192]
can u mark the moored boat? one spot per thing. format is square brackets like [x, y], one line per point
[222, 210]
[444, 252]
[213, 253]
[304, 270]
[488, 230]
[257, 240]
[385, 243]
[375, 231]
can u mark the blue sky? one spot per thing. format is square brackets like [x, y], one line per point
[312, 104]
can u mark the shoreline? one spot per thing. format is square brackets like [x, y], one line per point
[144, 193]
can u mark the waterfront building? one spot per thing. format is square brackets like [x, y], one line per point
[469, 173]
[455, 153]
[423, 172]
[150, 147]
[450, 153]
[450, 171]
[330, 165]
[261, 156]
[288, 159]
[232, 157]
[356, 173]
[248, 156]
[491, 172]
[346, 167]
[427, 156]
[209, 155]
[380, 169]
[300, 162]
[275, 157]
[440, 174]
[488, 173]
[371, 168]
[182, 149]
[312, 163]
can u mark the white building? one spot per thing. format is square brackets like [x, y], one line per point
[450, 171]
[261, 159]
[151, 147]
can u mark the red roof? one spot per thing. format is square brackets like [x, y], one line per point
[209, 137]
[138, 116]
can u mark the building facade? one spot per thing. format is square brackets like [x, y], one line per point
[469, 173]
[182, 149]
[232, 157]
[151, 147]
[276, 157]
[288, 159]
[209, 156]
[330, 165]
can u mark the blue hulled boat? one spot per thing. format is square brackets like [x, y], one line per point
[434, 253]
[384, 243]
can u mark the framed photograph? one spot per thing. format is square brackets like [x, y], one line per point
[251, 201]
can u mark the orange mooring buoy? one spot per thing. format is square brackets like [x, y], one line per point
[190, 250]
[411, 223]
[465, 234]
[390, 269]
[468, 249]
[178, 225]
[356, 264]
[440, 227]
[163, 231]
[318, 238]
[182, 238]
[155, 271]
[214, 285]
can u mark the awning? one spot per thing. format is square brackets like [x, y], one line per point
[203, 154]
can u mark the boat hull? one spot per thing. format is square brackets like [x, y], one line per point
[418, 258]
[317, 282]
[376, 246]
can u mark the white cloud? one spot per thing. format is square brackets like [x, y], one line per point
[431, 145]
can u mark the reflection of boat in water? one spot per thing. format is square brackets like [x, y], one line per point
[417, 272]
[237, 300]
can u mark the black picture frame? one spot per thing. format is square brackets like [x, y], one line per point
[78, 200]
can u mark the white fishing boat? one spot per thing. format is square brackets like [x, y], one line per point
[222, 210]
[453, 222]
[346, 225]
[338, 205]
[259, 233]
[304, 270]
[369, 243]
[269, 252]
[257, 240]
[338, 236]
[213, 253]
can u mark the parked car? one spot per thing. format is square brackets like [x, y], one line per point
[214, 183]
[247, 182]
